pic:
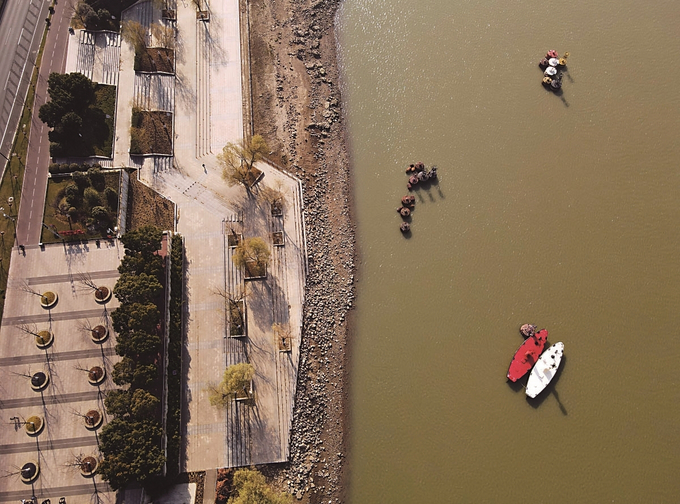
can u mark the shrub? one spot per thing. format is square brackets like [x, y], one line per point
[56, 149]
[111, 198]
[80, 179]
[97, 178]
[136, 117]
[135, 141]
[92, 197]
[71, 190]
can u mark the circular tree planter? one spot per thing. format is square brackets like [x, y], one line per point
[93, 419]
[34, 425]
[102, 295]
[96, 375]
[39, 381]
[88, 466]
[99, 333]
[48, 299]
[44, 339]
[30, 472]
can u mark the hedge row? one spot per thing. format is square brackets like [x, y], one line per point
[56, 168]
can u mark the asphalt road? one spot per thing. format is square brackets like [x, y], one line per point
[29, 221]
[21, 27]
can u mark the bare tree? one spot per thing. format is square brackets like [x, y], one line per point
[283, 336]
[135, 34]
[163, 35]
[86, 281]
[24, 286]
[30, 329]
[274, 196]
[234, 309]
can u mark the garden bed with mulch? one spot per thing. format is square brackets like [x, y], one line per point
[148, 208]
[155, 59]
[151, 132]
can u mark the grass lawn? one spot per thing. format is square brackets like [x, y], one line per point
[77, 224]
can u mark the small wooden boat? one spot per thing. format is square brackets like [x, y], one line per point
[545, 369]
[527, 355]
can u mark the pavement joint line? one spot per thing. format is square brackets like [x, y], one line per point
[59, 356]
[57, 444]
[46, 317]
[49, 399]
[95, 275]
[55, 492]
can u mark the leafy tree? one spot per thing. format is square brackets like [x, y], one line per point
[111, 198]
[70, 128]
[71, 92]
[131, 452]
[117, 403]
[138, 404]
[140, 288]
[143, 404]
[101, 215]
[251, 249]
[86, 14]
[91, 196]
[250, 487]
[137, 264]
[127, 371]
[123, 371]
[136, 317]
[137, 344]
[236, 379]
[237, 160]
[97, 178]
[145, 240]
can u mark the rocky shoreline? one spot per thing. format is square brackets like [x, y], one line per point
[297, 109]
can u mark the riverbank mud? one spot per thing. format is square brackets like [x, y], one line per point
[297, 109]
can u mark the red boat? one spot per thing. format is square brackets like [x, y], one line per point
[527, 354]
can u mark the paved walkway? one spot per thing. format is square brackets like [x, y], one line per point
[206, 98]
[95, 55]
[68, 395]
[207, 103]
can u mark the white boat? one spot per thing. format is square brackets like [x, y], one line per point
[545, 369]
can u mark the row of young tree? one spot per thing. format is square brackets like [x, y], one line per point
[131, 443]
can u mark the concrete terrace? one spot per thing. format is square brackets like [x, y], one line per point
[206, 99]
[68, 396]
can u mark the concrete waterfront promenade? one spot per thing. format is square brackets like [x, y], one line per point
[206, 99]
[68, 396]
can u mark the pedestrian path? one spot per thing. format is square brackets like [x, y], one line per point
[154, 91]
[95, 55]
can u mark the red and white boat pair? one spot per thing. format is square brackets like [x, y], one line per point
[544, 365]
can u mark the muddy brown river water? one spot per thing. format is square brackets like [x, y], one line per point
[562, 210]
